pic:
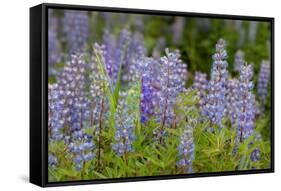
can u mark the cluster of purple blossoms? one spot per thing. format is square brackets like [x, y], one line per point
[239, 60]
[125, 129]
[245, 104]
[171, 82]
[82, 148]
[256, 153]
[161, 81]
[231, 100]
[214, 107]
[55, 114]
[52, 160]
[69, 109]
[71, 83]
[200, 84]
[76, 28]
[263, 81]
[148, 69]
[186, 148]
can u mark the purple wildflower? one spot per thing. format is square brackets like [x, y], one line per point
[82, 148]
[215, 100]
[245, 104]
[200, 84]
[52, 160]
[55, 115]
[125, 127]
[148, 70]
[186, 148]
[170, 83]
[231, 100]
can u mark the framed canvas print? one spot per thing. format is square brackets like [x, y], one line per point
[127, 95]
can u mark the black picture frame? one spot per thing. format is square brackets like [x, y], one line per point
[39, 93]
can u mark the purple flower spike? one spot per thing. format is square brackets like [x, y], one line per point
[231, 100]
[245, 104]
[200, 84]
[171, 83]
[125, 128]
[186, 148]
[215, 100]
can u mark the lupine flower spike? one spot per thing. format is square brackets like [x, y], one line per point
[200, 84]
[125, 127]
[231, 100]
[214, 108]
[170, 85]
[186, 147]
[245, 104]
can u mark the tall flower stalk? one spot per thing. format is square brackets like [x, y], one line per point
[231, 100]
[245, 104]
[171, 83]
[69, 111]
[125, 128]
[186, 147]
[147, 71]
[187, 117]
[215, 100]
[200, 84]
[100, 82]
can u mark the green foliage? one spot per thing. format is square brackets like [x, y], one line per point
[213, 148]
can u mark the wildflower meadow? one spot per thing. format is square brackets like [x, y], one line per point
[132, 95]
